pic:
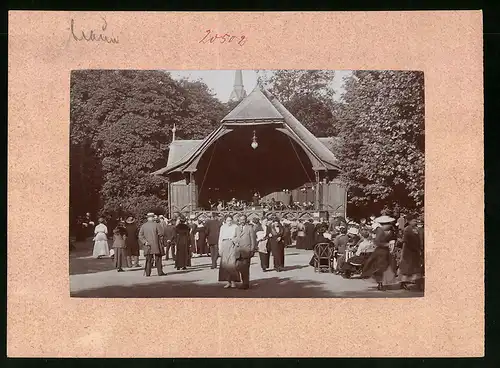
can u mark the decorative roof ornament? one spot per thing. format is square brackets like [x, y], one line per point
[173, 133]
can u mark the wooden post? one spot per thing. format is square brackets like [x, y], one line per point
[169, 198]
[193, 192]
[316, 194]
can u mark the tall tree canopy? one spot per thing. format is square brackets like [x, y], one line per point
[120, 130]
[379, 122]
[308, 95]
[382, 139]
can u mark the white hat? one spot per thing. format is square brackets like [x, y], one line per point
[384, 219]
[150, 214]
[353, 231]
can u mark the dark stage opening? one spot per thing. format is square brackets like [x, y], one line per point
[231, 168]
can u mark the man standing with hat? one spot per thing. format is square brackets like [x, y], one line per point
[246, 243]
[213, 226]
[150, 235]
[169, 238]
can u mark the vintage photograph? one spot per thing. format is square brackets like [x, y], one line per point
[247, 183]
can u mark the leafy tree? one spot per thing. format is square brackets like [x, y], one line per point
[120, 130]
[308, 95]
[382, 139]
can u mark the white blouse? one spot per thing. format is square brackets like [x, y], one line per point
[101, 228]
[227, 232]
[366, 246]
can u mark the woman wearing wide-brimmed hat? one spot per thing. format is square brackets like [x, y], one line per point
[132, 242]
[381, 265]
[101, 246]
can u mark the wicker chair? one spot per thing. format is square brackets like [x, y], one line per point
[323, 257]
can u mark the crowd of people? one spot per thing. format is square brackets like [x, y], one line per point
[380, 247]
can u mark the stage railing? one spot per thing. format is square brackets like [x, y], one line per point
[260, 212]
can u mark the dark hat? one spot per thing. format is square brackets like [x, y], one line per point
[411, 217]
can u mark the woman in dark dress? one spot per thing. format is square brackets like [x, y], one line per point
[277, 246]
[201, 238]
[320, 238]
[310, 234]
[132, 242]
[287, 234]
[183, 244]
[381, 264]
[410, 267]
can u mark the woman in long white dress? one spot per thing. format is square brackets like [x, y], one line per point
[227, 252]
[101, 247]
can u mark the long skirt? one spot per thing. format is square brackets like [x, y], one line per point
[120, 258]
[278, 253]
[301, 242]
[201, 245]
[380, 265]
[227, 269]
[264, 260]
[182, 256]
[410, 267]
[101, 248]
[354, 262]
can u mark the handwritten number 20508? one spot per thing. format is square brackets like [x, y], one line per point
[222, 38]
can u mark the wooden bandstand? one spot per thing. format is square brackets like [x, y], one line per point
[258, 147]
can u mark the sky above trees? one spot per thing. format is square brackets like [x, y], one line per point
[221, 81]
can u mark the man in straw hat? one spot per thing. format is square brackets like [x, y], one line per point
[132, 242]
[150, 235]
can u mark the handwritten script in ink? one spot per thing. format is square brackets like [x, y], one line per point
[92, 34]
[212, 37]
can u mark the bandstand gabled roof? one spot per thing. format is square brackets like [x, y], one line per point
[257, 108]
[178, 149]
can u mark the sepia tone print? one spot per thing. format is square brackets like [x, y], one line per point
[254, 183]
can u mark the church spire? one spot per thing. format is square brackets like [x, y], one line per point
[239, 92]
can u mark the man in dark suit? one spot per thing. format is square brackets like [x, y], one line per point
[213, 229]
[169, 238]
[246, 245]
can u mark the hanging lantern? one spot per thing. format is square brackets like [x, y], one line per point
[254, 141]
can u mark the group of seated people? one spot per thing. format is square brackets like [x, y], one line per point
[352, 245]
